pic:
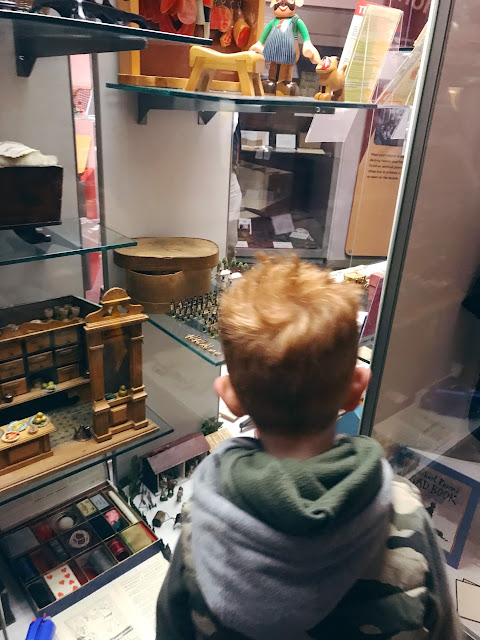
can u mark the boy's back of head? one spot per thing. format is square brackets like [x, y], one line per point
[290, 337]
[300, 534]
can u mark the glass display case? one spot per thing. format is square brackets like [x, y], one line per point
[277, 173]
[423, 405]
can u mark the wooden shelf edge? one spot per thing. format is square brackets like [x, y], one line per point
[33, 395]
[71, 453]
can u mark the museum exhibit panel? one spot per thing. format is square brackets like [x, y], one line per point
[148, 151]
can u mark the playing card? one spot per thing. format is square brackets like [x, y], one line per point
[61, 581]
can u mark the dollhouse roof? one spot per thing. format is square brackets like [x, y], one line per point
[177, 452]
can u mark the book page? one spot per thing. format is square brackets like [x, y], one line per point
[353, 33]
[374, 39]
[125, 608]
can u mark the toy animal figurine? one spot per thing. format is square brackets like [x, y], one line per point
[279, 46]
[332, 80]
[178, 519]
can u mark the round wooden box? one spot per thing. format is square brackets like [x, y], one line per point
[160, 270]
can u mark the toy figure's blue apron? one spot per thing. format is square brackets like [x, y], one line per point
[280, 44]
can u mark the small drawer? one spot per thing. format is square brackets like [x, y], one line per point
[15, 387]
[119, 414]
[40, 361]
[40, 342]
[12, 369]
[10, 350]
[66, 356]
[68, 373]
[65, 336]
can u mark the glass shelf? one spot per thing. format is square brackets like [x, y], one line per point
[213, 102]
[42, 36]
[75, 236]
[179, 330]
[72, 457]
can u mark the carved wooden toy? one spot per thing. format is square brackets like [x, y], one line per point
[279, 46]
[206, 62]
[332, 80]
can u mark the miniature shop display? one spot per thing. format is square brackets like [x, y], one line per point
[25, 441]
[332, 80]
[233, 25]
[160, 270]
[172, 461]
[114, 349]
[30, 191]
[42, 350]
[279, 45]
[61, 550]
[205, 63]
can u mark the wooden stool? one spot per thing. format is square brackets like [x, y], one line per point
[206, 62]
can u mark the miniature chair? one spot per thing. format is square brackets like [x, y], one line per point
[206, 62]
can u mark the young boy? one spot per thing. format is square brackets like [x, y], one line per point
[300, 534]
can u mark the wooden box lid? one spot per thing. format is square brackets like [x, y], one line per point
[160, 255]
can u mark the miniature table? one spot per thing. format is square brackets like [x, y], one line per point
[30, 447]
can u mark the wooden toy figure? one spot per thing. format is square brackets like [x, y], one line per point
[332, 80]
[279, 46]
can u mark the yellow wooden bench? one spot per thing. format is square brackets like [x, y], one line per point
[206, 62]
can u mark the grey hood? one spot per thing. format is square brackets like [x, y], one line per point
[272, 585]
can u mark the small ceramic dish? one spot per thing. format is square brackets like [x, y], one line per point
[39, 424]
[17, 425]
[10, 437]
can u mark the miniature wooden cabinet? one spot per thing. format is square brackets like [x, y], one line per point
[114, 347]
[36, 349]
